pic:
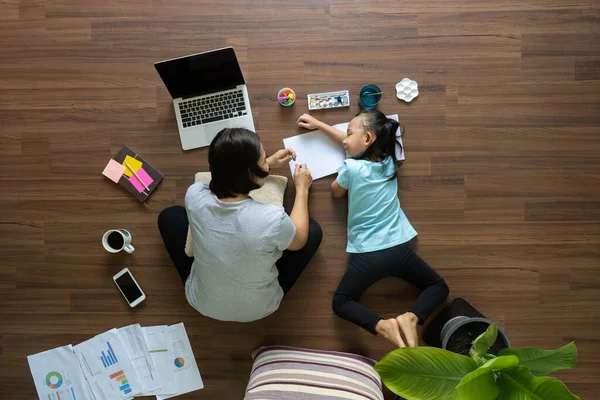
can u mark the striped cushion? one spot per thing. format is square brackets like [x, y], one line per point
[284, 373]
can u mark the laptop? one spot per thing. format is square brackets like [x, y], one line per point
[209, 94]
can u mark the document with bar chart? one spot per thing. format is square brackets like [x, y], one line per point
[57, 375]
[107, 367]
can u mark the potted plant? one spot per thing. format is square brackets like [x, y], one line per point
[458, 334]
[429, 373]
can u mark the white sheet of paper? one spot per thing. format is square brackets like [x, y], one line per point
[57, 375]
[161, 350]
[139, 355]
[184, 364]
[321, 154]
[106, 366]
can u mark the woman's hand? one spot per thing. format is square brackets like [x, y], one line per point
[308, 122]
[302, 178]
[299, 214]
[281, 157]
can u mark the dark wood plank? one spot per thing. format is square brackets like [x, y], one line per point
[587, 69]
[561, 210]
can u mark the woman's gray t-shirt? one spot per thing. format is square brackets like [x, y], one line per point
[236, 245]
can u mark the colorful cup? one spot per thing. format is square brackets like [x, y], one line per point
[368, 100]
[286, 97]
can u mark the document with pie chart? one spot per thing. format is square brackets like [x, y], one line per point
[57, 375]
[187, 376]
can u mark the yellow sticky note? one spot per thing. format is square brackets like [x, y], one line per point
[135, 164]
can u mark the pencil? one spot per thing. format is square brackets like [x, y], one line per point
[137, 176]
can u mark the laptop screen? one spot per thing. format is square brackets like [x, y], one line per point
[200, 74]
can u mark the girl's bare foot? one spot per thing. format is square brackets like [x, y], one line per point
[389, 329]
[408, 326]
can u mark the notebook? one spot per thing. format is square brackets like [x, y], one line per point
[134, 173]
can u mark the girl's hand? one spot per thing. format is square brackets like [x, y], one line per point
[302, 178]
[308, 122]
[281, 158]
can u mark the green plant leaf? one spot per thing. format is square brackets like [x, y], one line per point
[520, 384]
[424, 373]
[480, 384]
[544, 362]
[479, 360]
[484, 341]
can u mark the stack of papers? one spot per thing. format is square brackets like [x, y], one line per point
[118, 365]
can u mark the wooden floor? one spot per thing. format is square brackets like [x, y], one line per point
[502, 178]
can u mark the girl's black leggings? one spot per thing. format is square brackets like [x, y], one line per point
[364, 269]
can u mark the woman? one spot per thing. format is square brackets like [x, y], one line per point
[247, 255]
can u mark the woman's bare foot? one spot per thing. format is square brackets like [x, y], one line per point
[389, 329]
[408, 326]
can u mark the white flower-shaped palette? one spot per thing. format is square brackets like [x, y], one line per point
[407, 90]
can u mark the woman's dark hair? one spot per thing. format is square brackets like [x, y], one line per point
[233, 161]
[385, 142]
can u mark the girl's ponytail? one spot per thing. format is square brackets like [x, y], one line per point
[385, 144]
[395, 148]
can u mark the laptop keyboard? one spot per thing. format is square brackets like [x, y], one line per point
[212, 108]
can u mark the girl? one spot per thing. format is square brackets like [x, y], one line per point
[378, 231]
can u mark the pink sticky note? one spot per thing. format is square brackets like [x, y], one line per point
[144, 177]
[113, 171]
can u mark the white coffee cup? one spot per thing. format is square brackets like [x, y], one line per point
[116, 240]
